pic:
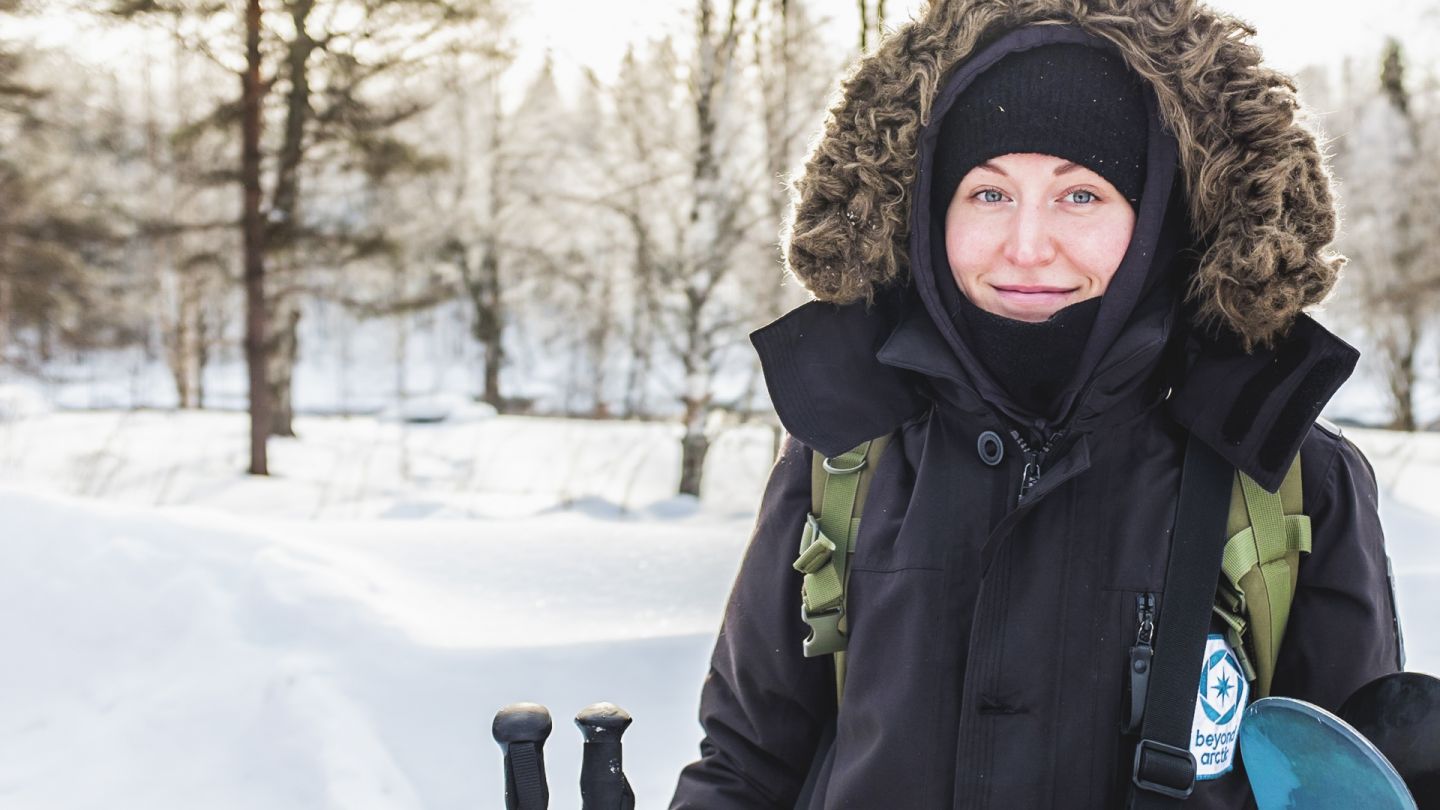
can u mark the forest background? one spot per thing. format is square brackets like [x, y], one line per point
[418, 205]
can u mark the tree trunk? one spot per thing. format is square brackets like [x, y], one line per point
[482, 287]
[402, 354]
[710, 238]
[256, 325]
[490, 321]
[284, 214]
[599, 345]
[489, 326]
[1398, 348]
[693, 448]
[285, 207]
[864, 25]
[6, 302]
[182, 343]
[642, 309]
[284, 352]
[202, 354]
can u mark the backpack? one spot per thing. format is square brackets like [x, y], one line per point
[1267, 534]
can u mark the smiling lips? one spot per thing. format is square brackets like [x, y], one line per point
[1033, 288]
[1032, 301]
[1032, 291]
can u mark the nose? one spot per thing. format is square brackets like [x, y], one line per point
[1029, 242]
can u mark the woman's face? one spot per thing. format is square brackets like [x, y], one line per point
[1028, 235]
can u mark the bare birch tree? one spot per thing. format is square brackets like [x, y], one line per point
[1386, 227]
[717, 226]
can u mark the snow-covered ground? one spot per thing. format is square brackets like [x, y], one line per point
[177, 635]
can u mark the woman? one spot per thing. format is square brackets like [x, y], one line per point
[1053, 242]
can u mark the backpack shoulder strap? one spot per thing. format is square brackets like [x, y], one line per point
[1164, 770]
[838, 488]
[1261, 565]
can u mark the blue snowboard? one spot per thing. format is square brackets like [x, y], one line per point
[1300, 757]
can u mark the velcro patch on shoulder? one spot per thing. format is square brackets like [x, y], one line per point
[1215, 735]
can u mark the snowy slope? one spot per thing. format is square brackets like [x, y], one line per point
[186, 637]
[198, 660]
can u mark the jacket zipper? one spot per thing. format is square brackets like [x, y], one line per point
[1141, 656]
[1030, 474]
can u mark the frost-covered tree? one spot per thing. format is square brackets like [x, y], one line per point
[640, 175]
[503, 224]
[182, 221]
[694, 170]
[707, 316]
[795, 76]
[576, 262]
[1388, 193]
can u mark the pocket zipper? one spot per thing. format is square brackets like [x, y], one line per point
[1139, 663]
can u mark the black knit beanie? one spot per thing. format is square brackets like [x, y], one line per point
[1075, 102]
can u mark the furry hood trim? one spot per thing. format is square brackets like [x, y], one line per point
[1257, 188]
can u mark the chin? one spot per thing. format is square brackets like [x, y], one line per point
[1030, 311]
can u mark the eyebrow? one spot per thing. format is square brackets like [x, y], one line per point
[1059, 170]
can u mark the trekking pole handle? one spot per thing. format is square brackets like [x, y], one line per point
[521, 730]
[603, 785]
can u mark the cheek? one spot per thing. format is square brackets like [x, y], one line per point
[967, 248]
[1097, 251]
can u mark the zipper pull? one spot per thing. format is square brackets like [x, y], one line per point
[1031, 474]
[1141, 656]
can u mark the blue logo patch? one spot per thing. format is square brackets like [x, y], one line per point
[1218, 708]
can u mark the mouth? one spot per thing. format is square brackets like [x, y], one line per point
[1033, 289]
[1032, 301]
[1034, 293]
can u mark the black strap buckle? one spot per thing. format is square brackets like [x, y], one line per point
[1164, 769]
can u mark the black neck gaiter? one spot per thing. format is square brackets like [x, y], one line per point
[1033, 362]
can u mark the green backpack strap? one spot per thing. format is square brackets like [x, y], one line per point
[838, 487]
[1261, 566]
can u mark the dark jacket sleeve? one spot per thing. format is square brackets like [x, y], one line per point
[1342, 632]
[763, 704]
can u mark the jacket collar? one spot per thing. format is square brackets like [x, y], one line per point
[828, 386]
[1256, 409]
[839, 375]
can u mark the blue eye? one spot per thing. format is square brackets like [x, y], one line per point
[1089, 196]
[985, 196]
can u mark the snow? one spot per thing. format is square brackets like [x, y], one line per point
[179, 635]
[20, 401]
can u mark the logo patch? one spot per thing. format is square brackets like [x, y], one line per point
[1218, 708]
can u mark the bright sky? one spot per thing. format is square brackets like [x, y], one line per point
[1293, 33]
[576, 33]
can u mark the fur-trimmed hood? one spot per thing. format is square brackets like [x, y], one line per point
[1255, 182]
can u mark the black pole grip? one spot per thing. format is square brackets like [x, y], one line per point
[521, 730]
[603, 785]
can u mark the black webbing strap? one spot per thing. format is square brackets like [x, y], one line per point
[525, 786]
[1164, 770]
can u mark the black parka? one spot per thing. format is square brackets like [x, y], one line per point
[989, 639]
